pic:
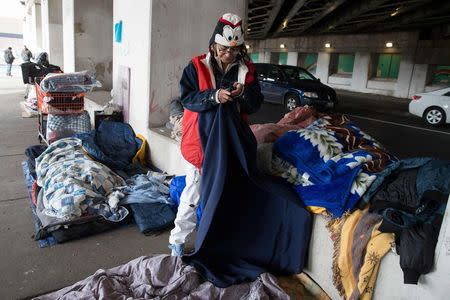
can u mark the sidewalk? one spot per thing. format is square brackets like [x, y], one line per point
[371, 97]
[28, 270]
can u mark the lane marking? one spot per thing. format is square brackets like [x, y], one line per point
[398, 124]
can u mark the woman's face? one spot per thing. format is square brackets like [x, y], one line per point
[226, 54]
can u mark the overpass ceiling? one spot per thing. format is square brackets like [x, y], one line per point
[291, 18]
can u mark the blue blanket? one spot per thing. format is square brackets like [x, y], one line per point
[331, 163]
[250, 224]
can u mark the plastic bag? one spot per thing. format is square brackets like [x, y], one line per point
[77, 82]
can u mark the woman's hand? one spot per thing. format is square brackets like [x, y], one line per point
[238, 89]
[224, 96]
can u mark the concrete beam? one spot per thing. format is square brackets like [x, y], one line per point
[299, 4]
[329, 9]
[273, 14]
[356, 10]
[403, 10]
[419, 15]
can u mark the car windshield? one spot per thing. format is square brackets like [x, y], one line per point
[297, 73]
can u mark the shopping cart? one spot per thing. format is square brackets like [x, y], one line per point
[56, 103]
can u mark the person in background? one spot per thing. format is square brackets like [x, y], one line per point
[9, 59]
[26, 54]
[222, 77]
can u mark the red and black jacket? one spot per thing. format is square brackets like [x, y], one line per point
[199, 85]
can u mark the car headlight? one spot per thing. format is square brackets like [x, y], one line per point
[310, 94]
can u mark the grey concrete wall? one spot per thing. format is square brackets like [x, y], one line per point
[404, 42]
[133, 52]
[180, 29]
[93, 29]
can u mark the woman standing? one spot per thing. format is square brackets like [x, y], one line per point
[223, 76]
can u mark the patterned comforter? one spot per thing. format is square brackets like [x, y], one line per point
[331, 163]
[74, 184]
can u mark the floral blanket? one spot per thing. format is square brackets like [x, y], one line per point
[74, 185]
[331, 163]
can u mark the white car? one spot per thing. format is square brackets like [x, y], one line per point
[433, 107]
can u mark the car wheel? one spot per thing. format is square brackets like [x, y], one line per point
[434, 116]
[291, 101]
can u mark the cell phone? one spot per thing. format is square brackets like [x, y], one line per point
[230, 89]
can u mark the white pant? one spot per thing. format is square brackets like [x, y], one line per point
[186, 219]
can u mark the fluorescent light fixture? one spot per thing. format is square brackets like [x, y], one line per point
[389, 45]
[247, 46]
[285, 23]
[282, 46]
[327, 45]
[249, 29]
[395, 12]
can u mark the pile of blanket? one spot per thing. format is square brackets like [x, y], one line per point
[376, 201]
[88, 183]
[167, 277]
[331, 163]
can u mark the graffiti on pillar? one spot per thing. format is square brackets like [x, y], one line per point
[123, 91]
[154, 105]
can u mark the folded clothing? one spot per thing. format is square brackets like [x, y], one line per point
[151, 217]
[61, 126]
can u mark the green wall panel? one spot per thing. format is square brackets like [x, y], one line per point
[282, 59]
[310, 62]
[254, 57]
[345, 63]
[388, 65]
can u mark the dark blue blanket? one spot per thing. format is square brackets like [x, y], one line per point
[250, 224]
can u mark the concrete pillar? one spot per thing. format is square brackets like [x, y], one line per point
[158, 39]
[264, 57]
[69, 35]
[88, 38]
[27, 30]
[292, 58]
[34, 40]
[45, 25]
[360, 71]
[404, 76]
[323, 65]
[37, 28]
[419, 79]
[52, 30]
